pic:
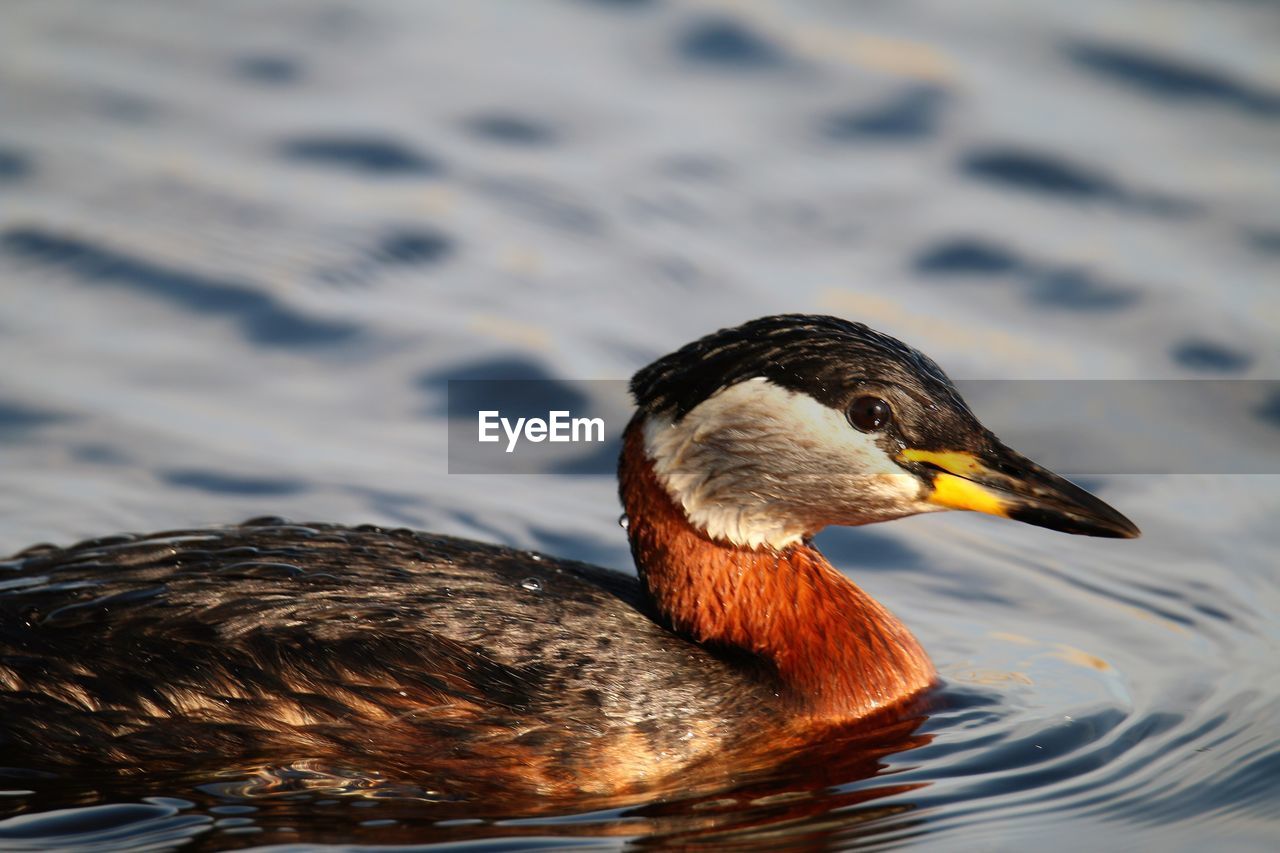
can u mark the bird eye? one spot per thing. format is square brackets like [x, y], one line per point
[870, 414]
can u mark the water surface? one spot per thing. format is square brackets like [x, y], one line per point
[243, 247]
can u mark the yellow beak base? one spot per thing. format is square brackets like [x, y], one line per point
[958, 493]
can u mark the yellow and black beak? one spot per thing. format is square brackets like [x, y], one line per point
[1001, 482]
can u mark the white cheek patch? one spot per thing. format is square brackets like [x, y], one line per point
[758, 465]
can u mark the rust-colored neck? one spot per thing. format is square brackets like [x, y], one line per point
[841, 654]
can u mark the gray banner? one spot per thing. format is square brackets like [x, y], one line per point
[1074, 427]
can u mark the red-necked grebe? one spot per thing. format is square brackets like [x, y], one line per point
[450, 661]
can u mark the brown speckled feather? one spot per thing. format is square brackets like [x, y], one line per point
[428, 658]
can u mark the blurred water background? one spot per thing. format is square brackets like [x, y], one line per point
[245, 246]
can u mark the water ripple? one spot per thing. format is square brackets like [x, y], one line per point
[110, 827]
[263, 319]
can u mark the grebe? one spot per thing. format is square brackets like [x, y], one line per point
[466, 665]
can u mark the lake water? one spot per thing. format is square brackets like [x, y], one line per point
[244, 246]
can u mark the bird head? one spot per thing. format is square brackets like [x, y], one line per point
[767, 432]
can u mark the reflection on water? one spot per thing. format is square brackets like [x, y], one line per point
[243, 252]
[831, 788]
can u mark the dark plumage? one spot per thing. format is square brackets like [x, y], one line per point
[395, 650]
[818, 355]
[830, 359]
